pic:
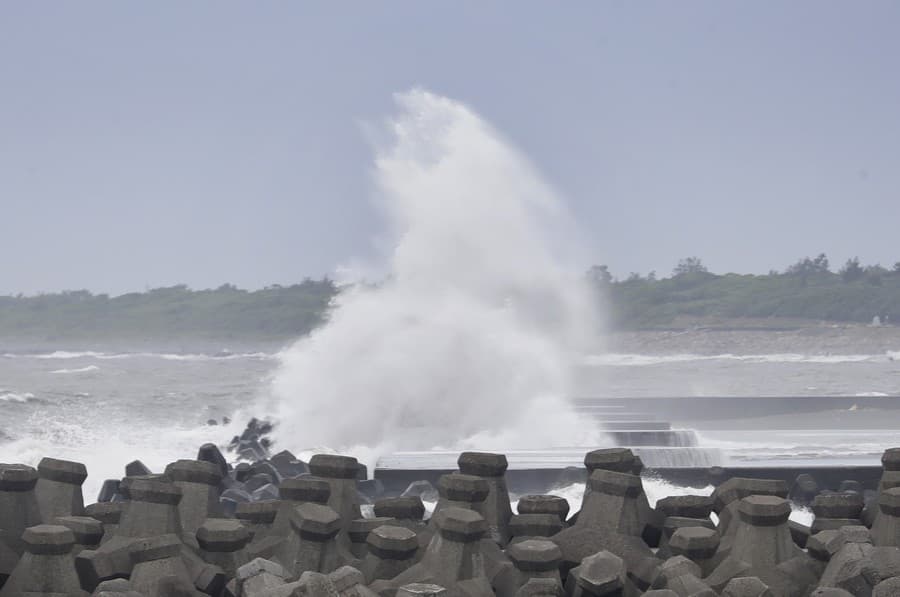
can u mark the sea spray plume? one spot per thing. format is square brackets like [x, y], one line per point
[470, 339]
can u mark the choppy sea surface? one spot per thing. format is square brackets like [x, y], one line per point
[108, 407]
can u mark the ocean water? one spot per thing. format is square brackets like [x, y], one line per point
[478, 334]
[106, 408]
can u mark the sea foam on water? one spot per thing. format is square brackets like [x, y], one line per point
[469, 339]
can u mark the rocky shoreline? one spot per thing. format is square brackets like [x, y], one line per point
[275, 526]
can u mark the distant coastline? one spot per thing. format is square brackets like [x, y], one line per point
[807, 296]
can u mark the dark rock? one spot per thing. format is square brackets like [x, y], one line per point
[109, 490]
[136, 468]
[236, 495]
[288, 465]
[265, 493]
[805, 489]
[257, 481]
[241, 472]
[267, 468]
[211, 453]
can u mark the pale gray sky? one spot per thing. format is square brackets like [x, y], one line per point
[153, 143]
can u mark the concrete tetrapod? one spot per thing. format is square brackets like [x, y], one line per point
[453, 559]
[58, 489]
[18, 511]
[47, 566]
[496, 508]
[763, 547]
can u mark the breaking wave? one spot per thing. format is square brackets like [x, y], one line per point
[7, 396]
[168, 356]
[645, 360]
[470, 339]
[78, 370]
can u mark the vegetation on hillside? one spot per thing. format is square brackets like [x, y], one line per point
[808, 290]
[227, 312]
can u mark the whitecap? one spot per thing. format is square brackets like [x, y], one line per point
[644, 360]
[78, 370]
[66, 354]
[6, 396]
[106, 450]
[169, 356]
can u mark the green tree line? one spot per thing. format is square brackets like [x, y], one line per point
[226, 312]
[808, 289]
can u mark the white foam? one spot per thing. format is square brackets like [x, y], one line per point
[802, 514]
[207, 357]
[78, 370]
[106, 450]
[655, 490]
[67, 355]
[7, 396]
[645, 360]
[61, 354]
[469, 340]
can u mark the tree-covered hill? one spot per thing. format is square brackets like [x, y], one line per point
[274, 312]
[808, 291]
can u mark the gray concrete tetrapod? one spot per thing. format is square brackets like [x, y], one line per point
[886, 528]
[222, 542]
[152, 510]
[392, 550]
[18, 511]
[312, 545]
[199, 483]
[158, 568]
[453, 559]
[46, 567]
[340, 472]
[535, 558]
[496, 508]
[58, 489]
